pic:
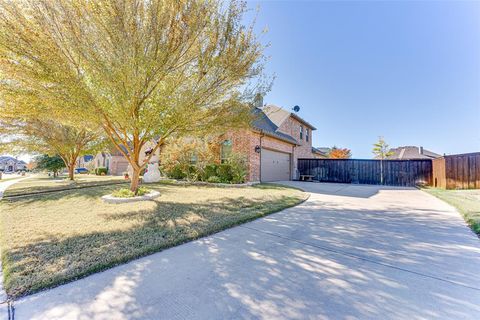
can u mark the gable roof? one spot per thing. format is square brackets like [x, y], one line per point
[411, 152]
[279, 115]
[321, 151]
[8, 158]
[265, 125]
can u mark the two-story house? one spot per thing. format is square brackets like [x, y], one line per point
[277, 139]
[271, 147]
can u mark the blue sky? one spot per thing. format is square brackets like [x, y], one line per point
[406, 70]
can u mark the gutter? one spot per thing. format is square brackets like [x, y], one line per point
[273, 135]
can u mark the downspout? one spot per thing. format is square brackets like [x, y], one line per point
[292, 164]
[260, 166]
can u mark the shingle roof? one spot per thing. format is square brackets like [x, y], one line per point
[412, 152]
[7, 158]
[278, 115]
[323, 152]
[263, 123]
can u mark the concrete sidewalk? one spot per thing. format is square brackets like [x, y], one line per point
[356, 252]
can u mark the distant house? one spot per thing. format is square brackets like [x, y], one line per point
[11, 164]
[83, 161]
[412, 153]
[320, 152]
[116, 163]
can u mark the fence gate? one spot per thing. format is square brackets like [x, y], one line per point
[406, 173]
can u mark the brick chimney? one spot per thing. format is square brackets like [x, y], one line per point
[421, 150]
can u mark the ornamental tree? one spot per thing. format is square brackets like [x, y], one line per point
[339, 153]
[144, 71]
[381, 150]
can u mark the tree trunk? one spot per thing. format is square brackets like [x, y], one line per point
[71, 172]
[135, 179]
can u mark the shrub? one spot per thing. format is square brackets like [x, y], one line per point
[238, 168]
[127, 193]
[210, 170]
[214, 179]
[101, 171]
[175, 172]
[224, 172]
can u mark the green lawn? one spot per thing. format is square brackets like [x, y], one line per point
[467, 203]
[42, 182]
[57, 237]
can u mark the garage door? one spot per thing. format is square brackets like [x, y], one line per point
[275, 166]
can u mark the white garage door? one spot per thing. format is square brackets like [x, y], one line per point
[275, 166]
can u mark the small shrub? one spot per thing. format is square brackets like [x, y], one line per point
[210, 170]
[192, 173]
[176, 172]
[225, 172]
[238, 168]
[214, 179]
[101, 171]
[127, 193]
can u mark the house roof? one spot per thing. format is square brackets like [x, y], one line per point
[264, 124]
[411, 152]
[87, 158]
[279, 115]
[8, 158]
[321, 151]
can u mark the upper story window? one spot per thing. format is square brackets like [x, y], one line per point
[306, 134]
[301, 132]
[225, 150]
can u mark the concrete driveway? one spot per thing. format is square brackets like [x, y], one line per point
[349, 252]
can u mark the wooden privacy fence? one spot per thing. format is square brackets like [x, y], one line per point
[458, 171]
[395, 172]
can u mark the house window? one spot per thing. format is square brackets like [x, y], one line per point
[193, 158]
[306, 134]
[301, 132]
[225, 150]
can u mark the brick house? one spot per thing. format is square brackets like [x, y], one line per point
[116, 163]
[271, 147]
[277, 139]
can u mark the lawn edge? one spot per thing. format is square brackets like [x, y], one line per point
[472, 224]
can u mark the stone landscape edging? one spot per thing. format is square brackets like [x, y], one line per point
[149, 196]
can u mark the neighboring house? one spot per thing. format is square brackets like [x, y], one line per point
[321, 152]
[277, 139]
[10, 164]
[116, 163]
[412, 153]
[113, 160]
[83, 161]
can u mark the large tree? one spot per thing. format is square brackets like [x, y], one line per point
[50, 138]
[28, 124]
[142, 70]
[50, 163]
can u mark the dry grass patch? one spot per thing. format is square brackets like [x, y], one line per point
[58, 237]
